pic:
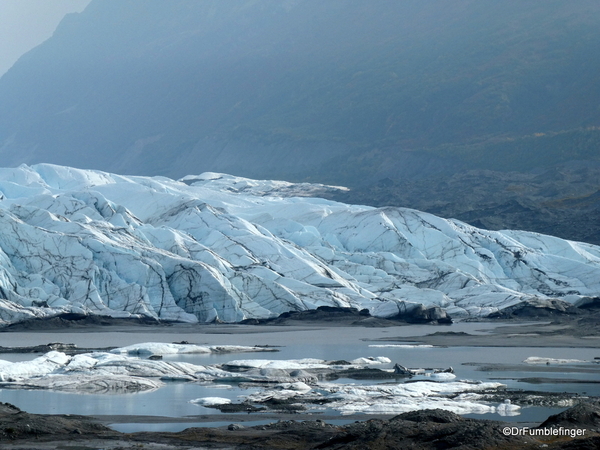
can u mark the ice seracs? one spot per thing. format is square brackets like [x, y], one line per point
[217, 247]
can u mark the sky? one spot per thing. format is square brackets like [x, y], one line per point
[25, 24]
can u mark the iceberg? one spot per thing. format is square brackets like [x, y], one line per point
[58, 371]
[273, 382]
[90, 384]
[159, 348]
[459, 397]
[540, 360]
[211, 401]
[101, 372]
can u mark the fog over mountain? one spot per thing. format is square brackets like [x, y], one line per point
[388, 97]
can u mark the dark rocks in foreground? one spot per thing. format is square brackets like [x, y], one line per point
[428, 429]
[417, 430]
[585, 414]
[19, 425]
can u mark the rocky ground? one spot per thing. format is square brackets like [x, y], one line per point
[563, 200]
[419, 430]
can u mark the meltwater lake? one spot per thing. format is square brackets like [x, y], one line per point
[172, 401]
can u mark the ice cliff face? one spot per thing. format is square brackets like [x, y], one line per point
[221, 247]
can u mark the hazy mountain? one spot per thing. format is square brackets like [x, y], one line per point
[562, 200]
[339, 91]
[146, 86]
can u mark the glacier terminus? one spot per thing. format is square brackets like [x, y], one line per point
[216, 247]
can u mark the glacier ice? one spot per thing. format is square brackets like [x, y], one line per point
[539, 360]
[460, 397]
[110, 372]
[160, 348]
[211, 401]
[216, 247]
[296, 380]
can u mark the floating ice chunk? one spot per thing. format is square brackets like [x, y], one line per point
[540, 360]
[40, 366]
[283, 391]
[158, 348]
[166, 370]
[298, 386]
[307, 363]
[221, 386]
[88, 384]
[392, 399]
[401, 346]
[442, 376]
[91, 368]
[271, 375]
[400, 398]
[371, 360]
[508, 409]
[211, 401]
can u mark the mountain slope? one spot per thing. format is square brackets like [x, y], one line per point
[343, 91]
[562, 200]
[218, 247]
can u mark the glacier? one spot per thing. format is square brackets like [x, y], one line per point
[215, 247]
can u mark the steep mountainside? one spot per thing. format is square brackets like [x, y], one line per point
[562, 200]
[343, 91]
[219, 247]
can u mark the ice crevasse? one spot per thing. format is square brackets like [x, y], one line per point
[219, 247]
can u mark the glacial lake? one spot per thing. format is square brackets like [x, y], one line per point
[293, 342]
